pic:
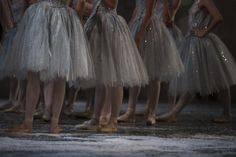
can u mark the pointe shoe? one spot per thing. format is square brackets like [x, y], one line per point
[20, 129]
[111, 127]
[222, 119]
[151, 120]
[91, 125]
[127, 118]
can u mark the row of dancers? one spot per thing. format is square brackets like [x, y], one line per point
[88, 45]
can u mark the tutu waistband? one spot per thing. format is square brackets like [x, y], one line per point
[55, 3]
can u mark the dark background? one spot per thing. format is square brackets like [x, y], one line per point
[226, 31]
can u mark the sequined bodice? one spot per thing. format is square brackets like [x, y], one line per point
[198, 18]
[57, 3]
[103, 8]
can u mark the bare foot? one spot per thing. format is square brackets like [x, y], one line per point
[23, 128]
[168, 117]
[55, 129]
[92, 124]
[16, 108]
[223, 119]
[111, 127]
[151, 119]
[128, 117]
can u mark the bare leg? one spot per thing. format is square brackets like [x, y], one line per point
[90, 101]
[153, 99]
[57, 103]
[171, 116]
[48, 96]
[73, 92]
[171, 101]
[106, 111]
[225, 97]
[129, 116]
[13, 98]
[32, 96]
[116, 101]
[100, 98]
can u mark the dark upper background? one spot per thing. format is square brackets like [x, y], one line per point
[226, 31]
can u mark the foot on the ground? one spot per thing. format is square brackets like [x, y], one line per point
[111, 127]
[223, 119]
[6, 106]
[104, 120]
[92, 124]
[16, 108]
[55, 129]
[168, 117]
[151, 119]
[128, 117]
[23, 128]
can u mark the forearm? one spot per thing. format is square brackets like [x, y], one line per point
[80, 8]
[166, 12]
[111, 3]
[147, 17]
[213, 24]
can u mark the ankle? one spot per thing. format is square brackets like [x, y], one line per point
[130, 111]
[28, 123]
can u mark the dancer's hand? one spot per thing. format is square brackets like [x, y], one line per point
[169, 24]
[199, 32]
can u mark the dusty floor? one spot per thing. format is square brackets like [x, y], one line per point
[193, 135]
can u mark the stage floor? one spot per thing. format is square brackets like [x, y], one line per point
[193, 135]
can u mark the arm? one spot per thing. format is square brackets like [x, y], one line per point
[111, 3]
[146, 21]
[133, 15]
[88, 8]
[25, 4]
[6, 17]
[174, 7]
[214, 12]
[80, 8]
[166, 12]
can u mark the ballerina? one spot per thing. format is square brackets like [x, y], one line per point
[159, 52]
[209, 66]
[117, 60]
[49, 45]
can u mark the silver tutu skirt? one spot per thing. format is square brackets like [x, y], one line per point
[209, 66]
[160, 53]
[50, 41]
[116, 57]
